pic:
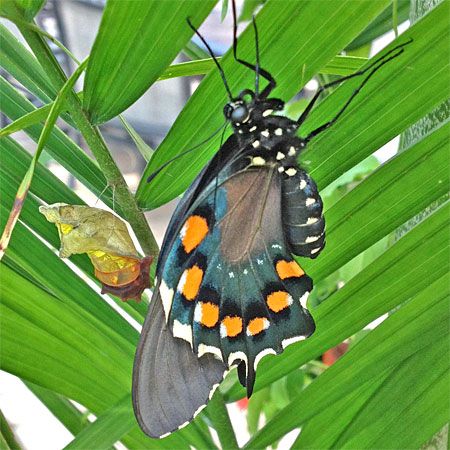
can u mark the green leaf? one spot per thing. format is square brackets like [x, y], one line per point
[217, 412]
[25, 184]
[24, 9]
[24, 67]
[382, 24]
[126, 60]
[60, 407]
[413, 263]
[391, 101]
[107, 429]
[415, 336]
[58, 145]
[143, 148]
[7, 439]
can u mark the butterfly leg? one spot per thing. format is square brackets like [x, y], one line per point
[368, 71]
[303, 222]
[256, 68]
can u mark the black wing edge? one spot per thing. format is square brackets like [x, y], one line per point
[171, 385]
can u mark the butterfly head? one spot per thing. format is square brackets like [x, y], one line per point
[247, 109]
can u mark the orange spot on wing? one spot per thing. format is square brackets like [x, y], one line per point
[210, 314]
[192, 280]
[193, 232]
[279, 300]
[257, 325]
[289, 269]
[232, 325]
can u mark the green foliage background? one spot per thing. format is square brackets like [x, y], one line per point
[390, 390]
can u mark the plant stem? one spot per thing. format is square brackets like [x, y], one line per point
[93, 138]
[217, 412]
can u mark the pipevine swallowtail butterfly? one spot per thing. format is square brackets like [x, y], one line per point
[228, 290]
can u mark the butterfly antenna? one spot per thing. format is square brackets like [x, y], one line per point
[157, 171]
[257, 68]
[222, 73]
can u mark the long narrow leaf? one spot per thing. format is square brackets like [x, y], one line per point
[25, 185]
[126, 60]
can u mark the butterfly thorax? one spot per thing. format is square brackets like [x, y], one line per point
[265, 138]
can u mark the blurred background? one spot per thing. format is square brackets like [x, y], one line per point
[75, 24]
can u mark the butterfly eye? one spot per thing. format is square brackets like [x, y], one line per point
[227, 111]
[239, 114]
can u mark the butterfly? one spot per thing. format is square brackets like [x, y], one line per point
[228, 290]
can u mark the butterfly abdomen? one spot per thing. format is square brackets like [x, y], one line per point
[303, 222]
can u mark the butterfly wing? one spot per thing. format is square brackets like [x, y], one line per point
[229, 285]
[170, 383]
[228, 292]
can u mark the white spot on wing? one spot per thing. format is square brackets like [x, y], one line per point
[265, 133]
[213, 389]
[258, 161]
[261, 354]
[277, 246]
[199, 410]
[312, 220]
[267, 112]
[310, 201]
[302, 184]
[310, 239]
[198, 312]
[245, 271]
[292, 151]
[304, 299]
[182, 331]
[237, 356]
[255, 144]
[280, 169]
[292, 340]
[253, 128]
[231, 274]
[166, 298]
[278, 131]
[182, 281]
[203, 349]
[315, 250]
[260, 261]
[280, 155]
